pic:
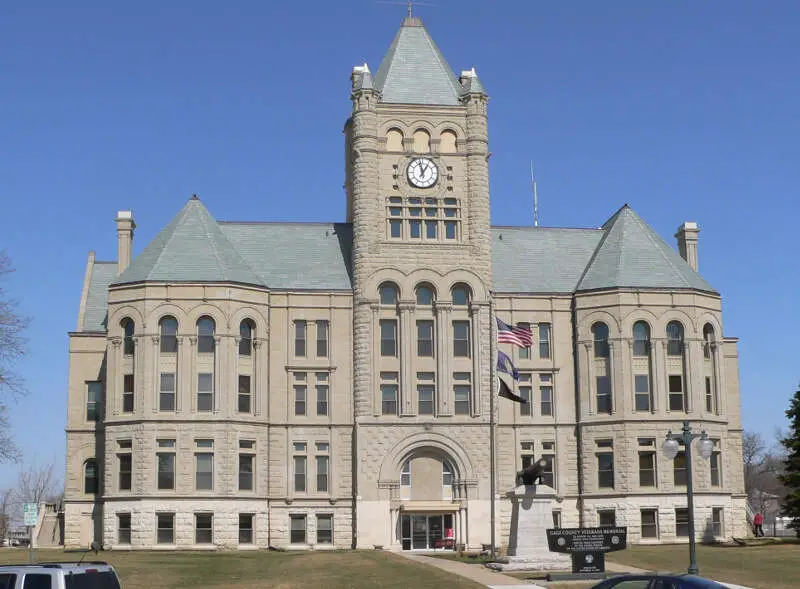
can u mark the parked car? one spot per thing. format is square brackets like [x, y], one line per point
[59, 575]
[659, 581]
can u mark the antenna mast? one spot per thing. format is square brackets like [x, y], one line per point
[535, 198]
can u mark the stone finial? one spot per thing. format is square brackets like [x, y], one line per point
[687, 237]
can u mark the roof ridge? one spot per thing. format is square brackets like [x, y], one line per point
[212, 241]
[593, 257]
[657, 245]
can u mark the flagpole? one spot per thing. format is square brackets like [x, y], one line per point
[492, 362]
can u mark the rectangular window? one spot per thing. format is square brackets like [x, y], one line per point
[415, 227]
[709, 396]
[128, 382]
[395, 228]
[604, 394]
[297, 529]
[546, 393]
[94, 391]
[425, 339]
[203, 528]
[676, 392]
[647, 462]
[549, 456]
[246, 472]
[169, 339]
[166, 393]
[123, 528]
[245, 528]
[556, 519]
[325, 529]
[243, 401]
[426, 390]
[679, 469]
[715, 463]
[300, 390]
[524, 353]
[125, 471]
[682, 522]
[166, 465]
[607, 518]
[450, 229]
[649, 523]
[205, 391]
[462, 391]
[716, 522]
[544, 340]
[300, 338]
[322, 474]
[526, 392]
[388, 337]
[322, 393]
[605, 464]
[431, 227]
[204, 471]
[641, 385]
[322, 339]
[389, 391]
[165, 533]
[300, 472]
[461, 343]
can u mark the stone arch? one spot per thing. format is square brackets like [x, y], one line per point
[218, 315]
[119, 314]
[708, 318]
[394, 139]
[689, 324]
[370, 289]
[431, 442]
[585, 326]
[251, 313]
[645, 315]
[422, 140]
[175, 311]
[448, 140]
[479, 290]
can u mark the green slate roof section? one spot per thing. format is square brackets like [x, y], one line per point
[96, 312]
[541, 259]
[414, 71]
[303, 256]
[192, 248]
[632, 255]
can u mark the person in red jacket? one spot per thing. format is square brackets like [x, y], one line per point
[758, 521]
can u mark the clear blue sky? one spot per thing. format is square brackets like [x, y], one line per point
[685, 110]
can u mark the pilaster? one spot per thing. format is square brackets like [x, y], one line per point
[444, 374]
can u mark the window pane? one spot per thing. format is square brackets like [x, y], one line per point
[297, 529]
[649, 523]
[324, 529]
[204, 528]
[245, 338]
[600, 333]
[647, 469]
[389, 399]
[415, 227]
[425, 338]
[299, 399]
[246, 472]
[322, 339]
[425, 396]
[544, 340]
[245, 528]
[461, 339]
[395, 227]
[322, 399]
[300, 338]
[124, 528]
[204, 480]
[603, 394]
[546, 394]
[462, 394]
[450, 227]
[605, 470]
[674, 338]
[300, 474]
[642, 389]
[125, 464]
[607, 518]
[169, 331]
[424, 295]
[682, 522]
[431, 228]
[676, 392]
[679, 469]
[388, 294]
[322, 474]
[641, 339]
[388, 337]
[165, 523]
[166, 470]
[460, 295]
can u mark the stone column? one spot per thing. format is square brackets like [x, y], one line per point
[192, 366]
[476, 317]
[590, 384]
[220, 366]
[372, 373]
[443, 356]
[111, 404]
[259, 386]
[154, 374]
[690, 388]
[407, 337]
[617, 400]
[660, 384]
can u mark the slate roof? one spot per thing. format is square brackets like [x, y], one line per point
[96, 311]
[191, 248]
[631, 254]
[414, 71]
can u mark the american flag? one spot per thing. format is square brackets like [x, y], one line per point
[517, 334]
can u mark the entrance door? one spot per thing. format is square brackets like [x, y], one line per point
[419, 532]
[424, 532]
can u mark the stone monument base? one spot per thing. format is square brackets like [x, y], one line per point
[531, 516]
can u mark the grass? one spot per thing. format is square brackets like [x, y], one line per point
[765, 567]
[257, 570]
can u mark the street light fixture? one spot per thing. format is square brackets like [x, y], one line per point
[670, 448]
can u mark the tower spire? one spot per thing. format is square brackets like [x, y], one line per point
[535, 198]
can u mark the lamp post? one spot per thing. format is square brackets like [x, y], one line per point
[670, 448]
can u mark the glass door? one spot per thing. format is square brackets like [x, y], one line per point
[419, 532]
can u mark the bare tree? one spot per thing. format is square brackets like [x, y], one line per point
[763, 466]
[6, 512]
[12, 348]
[37, 483]
[753, 449]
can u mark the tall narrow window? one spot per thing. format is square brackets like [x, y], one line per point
[647, 462]
[641, 339]
[676, 393]
[641, 385]
[600, 334]
[246, 462]
[300, 393]
[300, 462]
[166, 393]
[246, 330]
[389, 391]
[674, 338]
[526, 392]
[388, 337]
[709, 340]
[204, 465]
[323, 461]
[716, 521]
[603, 394]
[388, 293]
[245, 528]
[205, 391]
[546, 393]
[405, 475]
[461, 342]
[165, 528]
[169, 335]
[325, 529]
[297, 529]
[524, 353]
[425, 392]
[206, 329]
[715, 462]
[709, 396]
[165, 458]
[649, 523]
[90, 478]
[679, 469]
[128, 344]
[544, 340]
[425, 338]
[605, 464]
[322, 393]
[243, 401]
[461, 295]
[462, 390]
[123, 528]
[128, 381]
[203, 528]
[94, 391]
[322, 339]
[125, 471]
[681, 522]
[300, 327]
[549, 457]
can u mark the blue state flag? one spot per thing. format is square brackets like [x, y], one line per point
[504, 364]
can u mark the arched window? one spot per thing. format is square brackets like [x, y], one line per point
[600, 333]
[422, 141]
[674, 338]
[128, 344]
[168, 328]
[246, 331]
[641, 339]
[448, 141]
[90, 480]
[394, 140]
[447, 474]
[389, 293]
[709, 339]
[425, 295]
[461, 295]
[405, 474]
[205, 335]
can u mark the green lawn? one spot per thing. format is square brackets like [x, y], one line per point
[255, 570]
[761, 567]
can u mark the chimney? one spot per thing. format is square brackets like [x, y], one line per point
[687, 243]
[360, 72]
[125, 227]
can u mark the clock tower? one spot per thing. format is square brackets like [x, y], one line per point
[417, 182]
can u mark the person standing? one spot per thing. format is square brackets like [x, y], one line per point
[758, 522]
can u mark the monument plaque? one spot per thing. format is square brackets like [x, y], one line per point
[587, 545]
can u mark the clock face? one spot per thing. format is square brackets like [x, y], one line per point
[423, 173]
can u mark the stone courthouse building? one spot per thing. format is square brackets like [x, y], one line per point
[252, 384]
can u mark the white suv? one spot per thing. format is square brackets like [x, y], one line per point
[59, 575]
